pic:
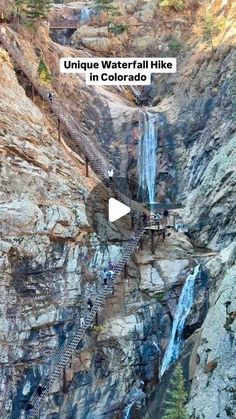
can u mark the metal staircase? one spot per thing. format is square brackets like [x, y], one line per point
[100, 167]
[97, 162]
[64, 353]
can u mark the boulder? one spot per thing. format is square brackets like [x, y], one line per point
[173, 269]
[132, 6]
[102, 44]
[61, 222]
[145, 15]
[213, 385]
[99, 19]
[20, 217]
[151, 279]
[86, 31]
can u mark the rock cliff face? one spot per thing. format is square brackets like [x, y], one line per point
[213, 386]
[49, 254]
[200, 112]
[51, 258]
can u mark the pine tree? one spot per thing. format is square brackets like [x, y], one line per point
[43, 72]
[210, 29]
[175, 406]
[111, 11]
[20, 6]
[37, 9]
[175, 45]
[19, 9]
[177, 5]
[207, 30]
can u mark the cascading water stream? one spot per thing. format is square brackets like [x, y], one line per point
[128, 410]
[136, 399]
[147, 159]
[183, 309]
[86, 14]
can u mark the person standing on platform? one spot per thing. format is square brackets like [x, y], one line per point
[165, 216]
[111, 266]
[158, 219]
[144, 217]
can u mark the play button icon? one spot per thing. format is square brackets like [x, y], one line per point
[117, 210]
[110, 216]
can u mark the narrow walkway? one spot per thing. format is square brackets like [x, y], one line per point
[63, 24]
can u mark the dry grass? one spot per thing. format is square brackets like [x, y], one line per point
[4, 56]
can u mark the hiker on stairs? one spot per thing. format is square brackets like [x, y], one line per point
[89, 304]
[50, 96]
[40, 390]
[110, 174]
[132, 237]
[144, 218]
[82, 321]
[110, 266]
[165, 216]
[104, 277]
[28, 407]
[110, 274]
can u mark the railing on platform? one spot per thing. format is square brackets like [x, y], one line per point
[72, 1]
[62, 24]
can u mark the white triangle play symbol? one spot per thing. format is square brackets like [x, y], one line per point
[117, 210]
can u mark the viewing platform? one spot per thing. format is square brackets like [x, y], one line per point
[63, 24]
[163, 224]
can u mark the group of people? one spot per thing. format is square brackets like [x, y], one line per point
[107, 275]
[158, 218]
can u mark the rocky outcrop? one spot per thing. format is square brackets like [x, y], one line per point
[203, 132]
[202, 125]
[46, 243]
[214, 380]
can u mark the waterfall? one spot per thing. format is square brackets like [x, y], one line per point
[135, 398]
[182, 311]
[85, 14]
[128, 410]
[147, 159]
